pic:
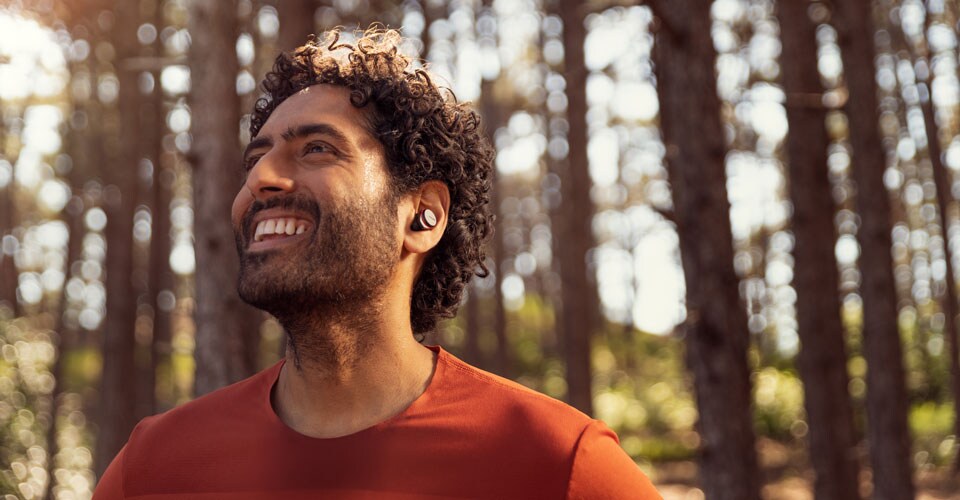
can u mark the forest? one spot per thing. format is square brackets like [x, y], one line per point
[723, 227]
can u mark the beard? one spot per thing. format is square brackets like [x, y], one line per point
[336, 276]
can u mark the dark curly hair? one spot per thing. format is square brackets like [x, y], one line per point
[426, 134]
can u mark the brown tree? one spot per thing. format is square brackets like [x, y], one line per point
[942, 179]
[227, 331]
[887, 433]
[159, 274]
[8, 268]
[716, 325]
[493, 118]
[118, 392]
[296, 22]
[822, 359]
[575, 238]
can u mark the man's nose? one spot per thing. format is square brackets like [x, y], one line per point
[270, 176]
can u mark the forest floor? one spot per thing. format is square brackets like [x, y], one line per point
[784, 479]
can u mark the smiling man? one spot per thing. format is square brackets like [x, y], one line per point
[362, 216]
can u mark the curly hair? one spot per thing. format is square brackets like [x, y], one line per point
[426, 135]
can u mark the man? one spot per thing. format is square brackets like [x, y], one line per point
[362, 216]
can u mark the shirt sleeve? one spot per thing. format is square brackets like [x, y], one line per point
[110, 486]
[602, 470]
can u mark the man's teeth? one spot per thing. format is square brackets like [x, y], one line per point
[286, 225]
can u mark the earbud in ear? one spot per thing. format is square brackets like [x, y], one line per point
[425, 220]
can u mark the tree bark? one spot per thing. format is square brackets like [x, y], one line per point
[227, 331]
[118, 391]
[296, 22]
[8, 269]
[493, 120]
[716, 325]
[887, 405]
[941, 177]
[579, 294]
[160, 276]
[822, 359]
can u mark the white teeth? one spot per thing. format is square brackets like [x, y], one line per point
[285, 226]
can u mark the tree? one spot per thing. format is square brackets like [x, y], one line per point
[575, 238]
[493, 117]
[716, 325]
[886, 393]
[822, 358]
[159, 275]
[945, 198]
[117, 389]
[227, 331]
[296, 22]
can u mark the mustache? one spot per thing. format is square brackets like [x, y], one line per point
[296, 202]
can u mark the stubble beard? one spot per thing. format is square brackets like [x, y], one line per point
[328, 290]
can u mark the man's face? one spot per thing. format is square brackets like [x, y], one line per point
[315, 221]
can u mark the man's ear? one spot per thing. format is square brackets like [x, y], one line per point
[433, 196]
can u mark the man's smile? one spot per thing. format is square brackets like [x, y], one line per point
[279, 227]
[272, 229]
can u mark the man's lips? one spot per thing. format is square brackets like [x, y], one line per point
[275, 227]
[282, 226]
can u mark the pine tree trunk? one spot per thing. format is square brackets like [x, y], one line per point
[8, 269]
[296, 22]
[716, 325]
[822, 359]
[227, 331]
[118, 391]
[160, 276]
[887, 406]
[493, 120]
[579, 295]
[945, 198]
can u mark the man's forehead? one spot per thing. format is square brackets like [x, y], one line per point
[316, 103]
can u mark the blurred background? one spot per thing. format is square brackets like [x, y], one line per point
[726, 228]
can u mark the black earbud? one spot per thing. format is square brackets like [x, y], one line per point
[425, 220]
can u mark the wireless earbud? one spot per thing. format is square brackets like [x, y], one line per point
[425, 220]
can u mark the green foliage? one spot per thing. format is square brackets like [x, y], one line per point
[778, 397]
[931, 425]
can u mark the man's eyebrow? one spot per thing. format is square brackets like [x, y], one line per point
[302, 131]
[259, 142]
[298, 132]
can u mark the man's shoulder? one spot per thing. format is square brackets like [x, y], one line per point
[504, 404]
[220, 411]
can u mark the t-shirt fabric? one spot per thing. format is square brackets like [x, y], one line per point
[471, 434]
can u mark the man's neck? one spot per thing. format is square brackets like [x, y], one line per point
[348, 377]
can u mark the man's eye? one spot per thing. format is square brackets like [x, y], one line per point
[250, 162]
[317, 147]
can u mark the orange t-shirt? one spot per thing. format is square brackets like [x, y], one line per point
[471, 434]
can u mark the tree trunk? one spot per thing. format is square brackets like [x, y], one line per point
[296, 22]
[118, 390]
[579, 295]
[8, 269]
[160, 276]
[941, 178]
[716, 325]
[227, 331]
[822, 359]
[493, 120]
[886, 393]
[944, 200]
